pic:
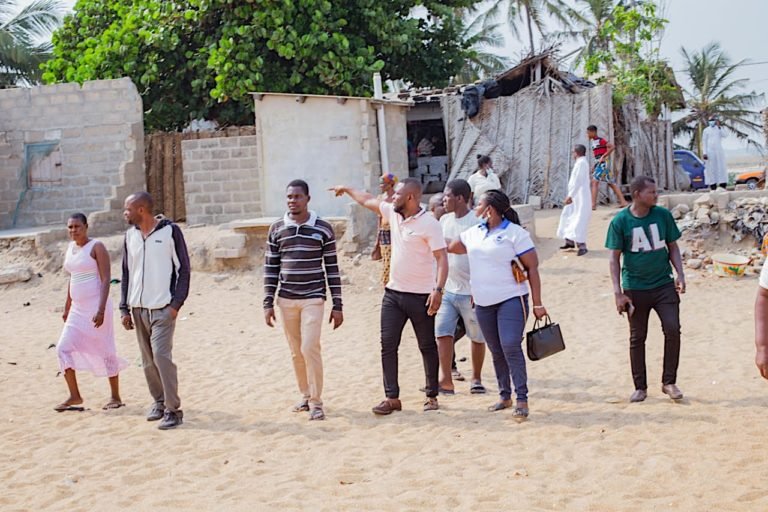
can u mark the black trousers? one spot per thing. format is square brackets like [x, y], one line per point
[665, 301]
[396, 309]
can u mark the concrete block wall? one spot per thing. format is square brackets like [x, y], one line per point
[221, 179]
[100, 134]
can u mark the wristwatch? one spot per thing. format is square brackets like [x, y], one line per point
[438, 289]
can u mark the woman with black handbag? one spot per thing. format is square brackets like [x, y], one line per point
[500, 293]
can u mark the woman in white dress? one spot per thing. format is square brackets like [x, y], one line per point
[483, 179]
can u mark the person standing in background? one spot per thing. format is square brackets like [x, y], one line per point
[383, 248]
[601, 150]
[574, 221]
[716, 170]
[483, 179]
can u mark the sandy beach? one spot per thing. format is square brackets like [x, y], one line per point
[584, 448]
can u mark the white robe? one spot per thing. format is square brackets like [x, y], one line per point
[574, 220]
[715, 170]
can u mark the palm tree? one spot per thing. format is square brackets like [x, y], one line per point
[21, 33]
[482, 35]
[714, 92]
[532, 12]
[587, 25]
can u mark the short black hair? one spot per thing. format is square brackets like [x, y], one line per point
[414, 184]
[483, 160]
[580, 149]
[640, 183]
[592, 128]
[81, 217]
[459, 187]
[299, 183]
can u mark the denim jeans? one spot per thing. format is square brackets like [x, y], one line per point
[665, 301]
[396, 309]
[503, 325]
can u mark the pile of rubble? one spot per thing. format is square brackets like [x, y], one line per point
[743, 221]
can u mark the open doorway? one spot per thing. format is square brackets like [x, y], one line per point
[427, 147]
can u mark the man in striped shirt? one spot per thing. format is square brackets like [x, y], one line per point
[300, 257]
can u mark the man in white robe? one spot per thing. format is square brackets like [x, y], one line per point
[715, 171]
[574, 220]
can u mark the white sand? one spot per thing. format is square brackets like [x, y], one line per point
[240, 448]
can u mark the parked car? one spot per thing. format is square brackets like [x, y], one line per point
[692, 166]
[752, 179]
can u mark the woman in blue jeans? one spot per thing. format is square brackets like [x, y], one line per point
[501, 253]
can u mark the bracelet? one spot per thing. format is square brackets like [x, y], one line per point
[539, 307]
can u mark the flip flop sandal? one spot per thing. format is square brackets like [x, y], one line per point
[499, 406]
[316, 415]
[112, 405]
[302, 406]
[456, 374]
[447, 392]
[477, 389]
[65, 408]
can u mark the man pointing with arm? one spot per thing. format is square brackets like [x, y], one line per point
[413, 292]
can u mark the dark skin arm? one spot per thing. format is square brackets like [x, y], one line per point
[761, 331]
[67, 305]
[360, 197]
[100, 254]
[436, 298]
[456, 246]
[610, 147]
[530, 261]
[677, 261]
[622, 301]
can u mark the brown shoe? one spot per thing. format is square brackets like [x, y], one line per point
[431, 405]
[387, 406]
[673, 391]
[638, 396]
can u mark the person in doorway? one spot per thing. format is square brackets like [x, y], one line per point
[503, 272]
[383, 248]
[577, 211]
[643, 240]
[300, 258]
[601, 150]
[716, 170]
[761, 323]
[426, 146]
[457, 301]
[415, 287]
[483, 179]
[155, 284]
[87, 342]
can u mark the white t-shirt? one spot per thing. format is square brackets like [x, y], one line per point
[458, 264]
[764, 276]
[490, 261]
[481, 184]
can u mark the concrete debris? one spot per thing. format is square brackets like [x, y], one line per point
[15, 274]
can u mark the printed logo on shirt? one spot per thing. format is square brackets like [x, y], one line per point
[499, 239]
[317, 236]
[158, 241]
[641, 242]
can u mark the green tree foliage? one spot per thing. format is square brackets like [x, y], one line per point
[715, 92]
[21, 29]
[625, 51]
[532, 13]
[200, 58]
[483, 36]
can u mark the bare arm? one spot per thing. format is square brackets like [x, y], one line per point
[456, 246]
[610, 148]
[436, 297]
[100, 254]
[621, 299]
[530, 261]
[361, 197]
[761, 331]
[677, 262]
[68, 303]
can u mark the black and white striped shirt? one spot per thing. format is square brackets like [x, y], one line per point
[295, 257]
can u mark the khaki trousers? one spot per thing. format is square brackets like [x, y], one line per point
[302, 321]
[154, 330]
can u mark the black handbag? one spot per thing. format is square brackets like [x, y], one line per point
[544, 341]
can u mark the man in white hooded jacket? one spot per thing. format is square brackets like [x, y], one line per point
[574, 220]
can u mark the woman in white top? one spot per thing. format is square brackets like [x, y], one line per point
[484, 179]
[500, 291]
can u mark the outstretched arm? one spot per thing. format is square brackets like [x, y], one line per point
[361, 197]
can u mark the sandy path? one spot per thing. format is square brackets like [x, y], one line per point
[584, 448]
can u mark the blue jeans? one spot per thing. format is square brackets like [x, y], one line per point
[503, 325]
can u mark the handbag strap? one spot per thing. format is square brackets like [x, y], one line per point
[547, 322]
